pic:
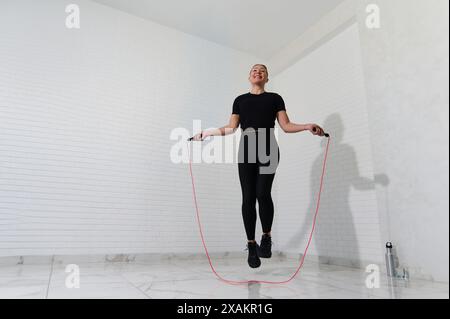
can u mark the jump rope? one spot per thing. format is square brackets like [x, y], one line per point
[245, 282]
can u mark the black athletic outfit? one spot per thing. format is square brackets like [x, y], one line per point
[257, 115]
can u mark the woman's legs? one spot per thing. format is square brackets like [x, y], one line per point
[248, 177]
[256, 186]
[256, 180]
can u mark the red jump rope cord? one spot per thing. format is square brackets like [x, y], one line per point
[243, 282]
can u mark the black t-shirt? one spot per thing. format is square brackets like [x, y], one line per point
[258, 110]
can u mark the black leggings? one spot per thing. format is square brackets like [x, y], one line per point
[256, 186]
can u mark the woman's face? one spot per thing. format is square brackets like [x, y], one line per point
[258, 75]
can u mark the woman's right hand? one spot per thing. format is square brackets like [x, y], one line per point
[199, 137]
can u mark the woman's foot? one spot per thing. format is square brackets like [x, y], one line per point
[265, 249]
[253, 258]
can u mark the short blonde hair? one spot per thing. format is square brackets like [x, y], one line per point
[259, 64]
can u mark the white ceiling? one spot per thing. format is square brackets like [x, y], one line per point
[258, 27]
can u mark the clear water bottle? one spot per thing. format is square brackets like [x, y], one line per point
[390, 261]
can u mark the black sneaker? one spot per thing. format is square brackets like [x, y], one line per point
[265, 249]
[253, 259]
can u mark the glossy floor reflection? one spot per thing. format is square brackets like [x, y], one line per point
[176, 278]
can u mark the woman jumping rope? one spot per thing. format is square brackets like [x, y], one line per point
[256, 112]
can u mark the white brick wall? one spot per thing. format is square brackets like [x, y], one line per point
[85, 120]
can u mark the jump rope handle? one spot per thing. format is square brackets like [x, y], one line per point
[325, 134]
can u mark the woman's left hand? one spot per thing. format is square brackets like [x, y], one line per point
[316, 129]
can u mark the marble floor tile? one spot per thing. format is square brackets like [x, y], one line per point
[184, 279]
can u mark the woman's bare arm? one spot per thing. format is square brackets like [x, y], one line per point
[232, 126]
[288, 127]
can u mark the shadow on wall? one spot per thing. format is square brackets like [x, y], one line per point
[335, 237]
